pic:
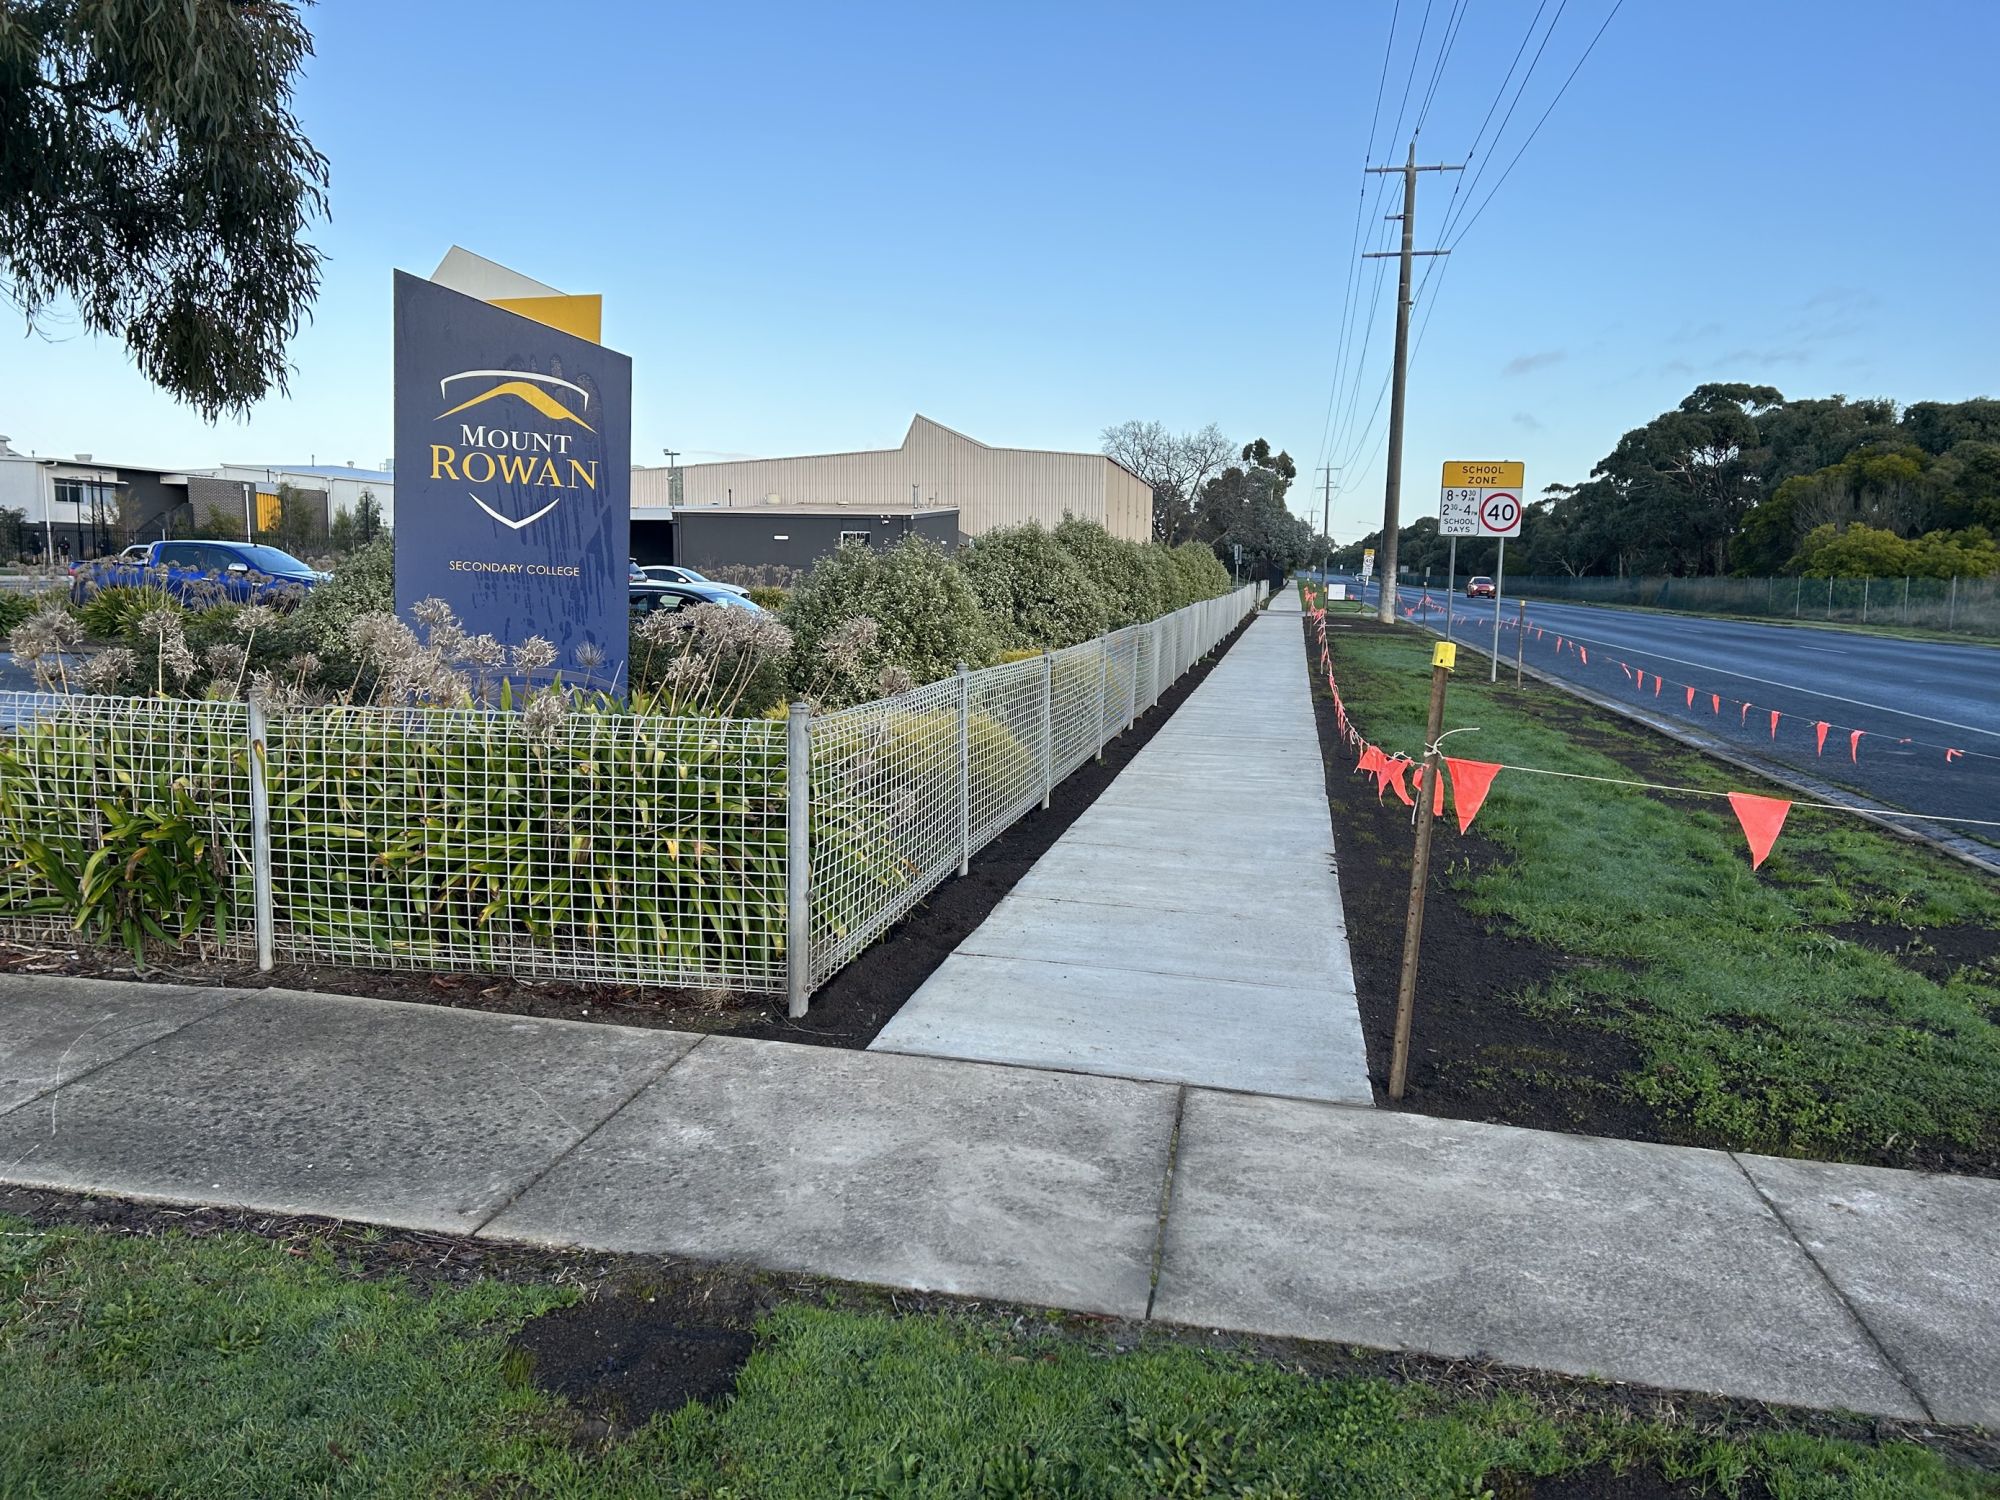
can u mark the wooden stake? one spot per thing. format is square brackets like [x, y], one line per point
[1444, 656]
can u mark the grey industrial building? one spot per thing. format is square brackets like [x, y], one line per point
[786, 537]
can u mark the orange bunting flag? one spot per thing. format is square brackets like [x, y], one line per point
[1642, 682]
[1658, 683]
[1538, 632]
[1690, 697]
[1762, 818]
[1417, 779]
[1854, 747]
[1743, 719]
[1390, 775]
[1774, 723]
[1952, 755]
[1584, 652]
[1470, 780]
[1715, 703]
[1820, 728]
[1626, 669]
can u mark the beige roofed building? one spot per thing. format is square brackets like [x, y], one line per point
[935, 467]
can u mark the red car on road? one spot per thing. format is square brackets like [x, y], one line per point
[1479, 588]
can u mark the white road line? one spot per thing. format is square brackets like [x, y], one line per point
[1880, 708]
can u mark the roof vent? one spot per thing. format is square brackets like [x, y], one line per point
[83, 458]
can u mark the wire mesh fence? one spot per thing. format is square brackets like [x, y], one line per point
[605, 847]
[109, 806]
[1962, 605]
[600, 846]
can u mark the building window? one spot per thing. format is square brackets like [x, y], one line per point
[854, 538]
[90, 507]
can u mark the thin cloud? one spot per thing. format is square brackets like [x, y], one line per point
[1764, 359]
[1522, 364]
[1526, 421]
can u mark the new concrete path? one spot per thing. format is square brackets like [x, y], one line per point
[1188, 927]
[1794, 1282]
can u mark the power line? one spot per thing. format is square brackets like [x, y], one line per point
[1416, 53]
[1452, 25]
[1616, 7]
[1534, 62]
[1350, 281]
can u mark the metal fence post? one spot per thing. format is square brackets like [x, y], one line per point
[1951, 610]
[964, 769]
[1048, 728]
[260, 837]
[798, 858]
[1103, 692]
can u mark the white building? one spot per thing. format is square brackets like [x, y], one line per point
[934, 468]
[85, 505]
[343, 484]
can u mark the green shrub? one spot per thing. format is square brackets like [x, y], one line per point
[927, 620]
[123, 828]
[113, 614]
[1033, 590]
[1121, 570]
[769, 596]
[363, 584]
[1196, 573]
[15, 606]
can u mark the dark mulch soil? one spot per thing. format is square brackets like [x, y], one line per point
[650, 1333]
[847, 1012]
[1478, 1055]
[1940, 954]
[622, 1358]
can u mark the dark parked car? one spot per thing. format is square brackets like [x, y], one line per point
[1479, 588]
[657, 598]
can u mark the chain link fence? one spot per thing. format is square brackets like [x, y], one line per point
[1969, 606]
[690, 852]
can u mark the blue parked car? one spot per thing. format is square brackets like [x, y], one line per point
[202, 573]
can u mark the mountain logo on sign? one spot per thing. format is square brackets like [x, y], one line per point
[530, 457]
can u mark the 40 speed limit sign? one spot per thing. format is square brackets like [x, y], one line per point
[1481, 498]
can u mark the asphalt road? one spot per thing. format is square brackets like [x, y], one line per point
[1913, 700]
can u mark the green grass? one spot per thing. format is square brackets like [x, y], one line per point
[231, 1365]
[1761, 1030]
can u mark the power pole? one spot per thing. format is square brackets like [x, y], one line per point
[1392, 493]
[1326, 521]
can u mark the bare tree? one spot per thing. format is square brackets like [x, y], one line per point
[1176, 465]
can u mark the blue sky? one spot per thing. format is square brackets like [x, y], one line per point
[1030, 221]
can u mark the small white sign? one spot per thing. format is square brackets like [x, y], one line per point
[1336, 591]
[1458, 512]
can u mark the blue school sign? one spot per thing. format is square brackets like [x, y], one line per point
[513, 478]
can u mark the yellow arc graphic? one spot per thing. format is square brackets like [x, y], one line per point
[535, 396]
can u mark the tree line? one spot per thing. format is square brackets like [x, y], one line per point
[1208, 490]
[1739, 480]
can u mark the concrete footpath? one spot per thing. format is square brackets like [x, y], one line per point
[1187, 928]
[1850, 1287]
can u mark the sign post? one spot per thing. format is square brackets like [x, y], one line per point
[513, 470]
[1367, 570]
[1484, 498]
